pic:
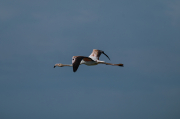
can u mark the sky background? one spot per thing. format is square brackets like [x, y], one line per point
[144, 35]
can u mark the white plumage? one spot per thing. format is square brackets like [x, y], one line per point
[93, 59]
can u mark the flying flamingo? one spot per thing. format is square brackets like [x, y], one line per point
[93, 59]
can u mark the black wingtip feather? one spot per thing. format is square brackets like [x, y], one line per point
[77, 63]
[105, 55]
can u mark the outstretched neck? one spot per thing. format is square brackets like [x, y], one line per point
[62, 65]
[70, 65]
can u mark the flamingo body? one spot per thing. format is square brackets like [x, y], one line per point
[93, 59]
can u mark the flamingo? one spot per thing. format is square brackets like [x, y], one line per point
[93, 59]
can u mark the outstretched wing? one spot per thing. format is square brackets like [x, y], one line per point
[76, 60]
[96, 54]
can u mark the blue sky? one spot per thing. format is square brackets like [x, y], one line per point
[143, 35]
